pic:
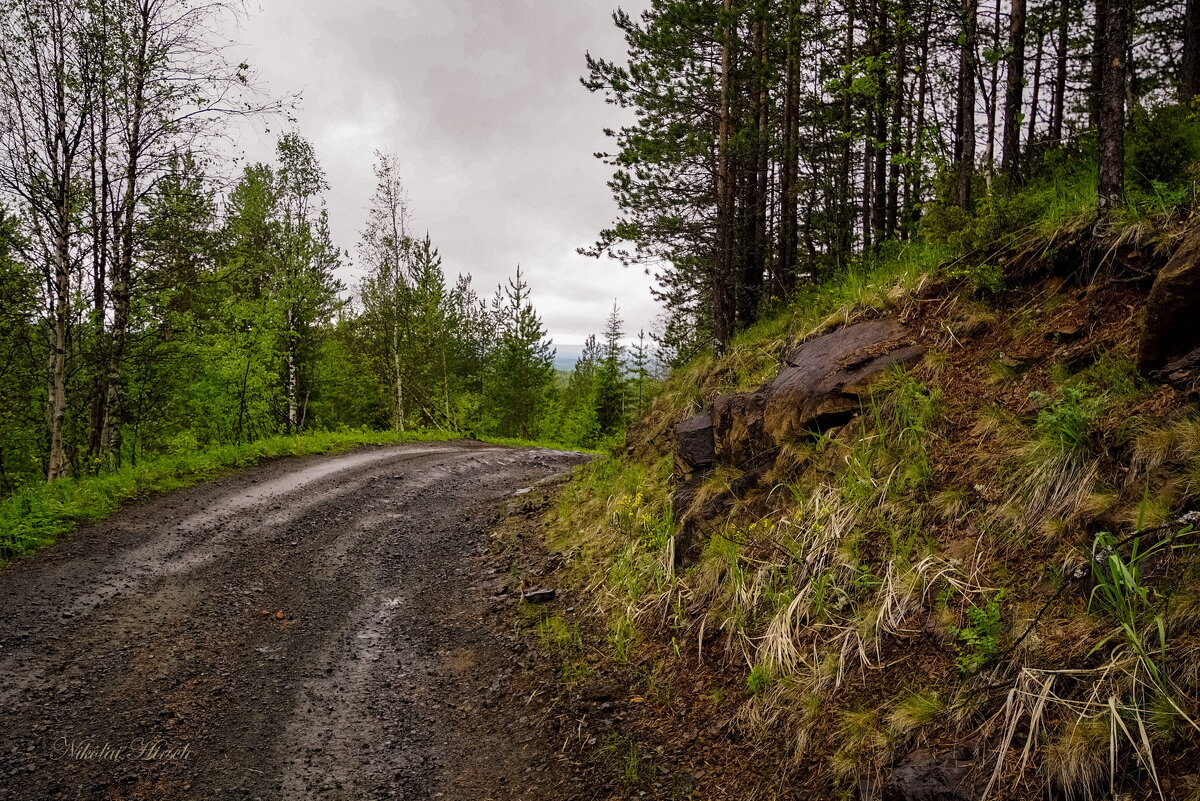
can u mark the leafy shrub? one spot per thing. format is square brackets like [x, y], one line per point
[1161, 146]
[984, 278]
[980, 638]
[1066, 423]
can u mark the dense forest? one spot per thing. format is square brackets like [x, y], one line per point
[157, 299]
[777, 142]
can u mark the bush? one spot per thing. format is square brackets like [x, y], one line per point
[1162, 147]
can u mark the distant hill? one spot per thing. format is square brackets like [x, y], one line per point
[565, 356]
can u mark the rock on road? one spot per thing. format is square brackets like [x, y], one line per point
[306, 629]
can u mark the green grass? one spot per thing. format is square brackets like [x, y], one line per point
[38, 514]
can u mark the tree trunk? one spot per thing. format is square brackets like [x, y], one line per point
[1190, 67]
[788, 241]
[877, 132]
[1014, 91]
[61, 312]
[846, 221]
[965, 138]
[868, 181]
[1111, 190]
[122, 289]
[992, 96]
[1063, 52]
[1096, 90]
[398, 417]
[922, 94]
[1035, 99]
[722, 295]
[755, 216]
[292, 381]
[900, 44]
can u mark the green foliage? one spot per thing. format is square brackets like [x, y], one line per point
[914, 710]
[984, 278]
[1121, 593]
[622, 753]
[979, 639]
[1065, 423]
[1162, 150]
[999, 223]
[759, 679]
[520, 376]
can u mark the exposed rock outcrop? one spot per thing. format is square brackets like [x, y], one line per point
[925, 775]
[826, 377]
[738, 429]
[694, 445]
[1182, 373]
[822, 386]
[1170, 327]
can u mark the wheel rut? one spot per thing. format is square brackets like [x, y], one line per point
[305, 629]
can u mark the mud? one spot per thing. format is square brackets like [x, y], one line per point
[322, 628]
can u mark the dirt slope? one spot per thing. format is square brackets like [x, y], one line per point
[307, 629]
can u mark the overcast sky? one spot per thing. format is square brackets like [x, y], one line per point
[480, 100]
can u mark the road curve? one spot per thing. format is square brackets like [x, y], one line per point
[306, 629]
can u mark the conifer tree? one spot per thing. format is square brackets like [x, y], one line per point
[610, 376]
[521, 372]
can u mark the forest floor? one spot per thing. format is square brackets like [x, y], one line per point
[309, 628]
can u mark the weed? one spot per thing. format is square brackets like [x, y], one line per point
[622, 753]
[1065, 423]
[556, 634]
[914, 710]
[759, 679]
[984, 278]
[623, 636]
[979, 639]
[1121, 593]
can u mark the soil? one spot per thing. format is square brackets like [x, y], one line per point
[315, 628]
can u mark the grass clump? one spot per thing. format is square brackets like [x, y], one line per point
[915, 710]
[622, 753]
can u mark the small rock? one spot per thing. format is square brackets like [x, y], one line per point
[539, 596]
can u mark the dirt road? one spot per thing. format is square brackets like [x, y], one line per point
[306, 629]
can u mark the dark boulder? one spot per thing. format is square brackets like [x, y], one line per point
[738, 429]
[1170, 330]
[832, 348]
[694, 443]
[539, 596]
[925, 775]
[697, 515]
[826, 378]
[1182, 373]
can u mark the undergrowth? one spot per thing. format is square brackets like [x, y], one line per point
[894, 580]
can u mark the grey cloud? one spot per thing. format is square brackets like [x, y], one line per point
[481, 102]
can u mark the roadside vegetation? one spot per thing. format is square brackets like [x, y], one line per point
[998, 551]
[986, 550]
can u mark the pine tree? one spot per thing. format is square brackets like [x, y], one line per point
[429, 334]
[639, 364]
[578, 407]
[610, 377]
[521, 369]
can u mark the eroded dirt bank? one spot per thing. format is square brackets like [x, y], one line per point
[310, 628]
